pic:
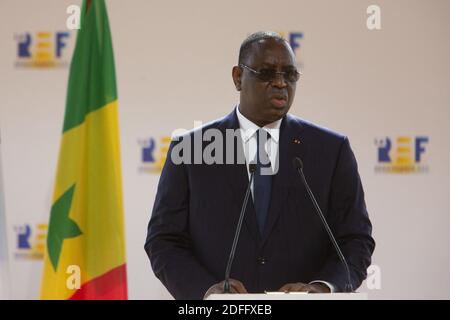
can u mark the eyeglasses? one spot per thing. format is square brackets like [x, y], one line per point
[269, 75]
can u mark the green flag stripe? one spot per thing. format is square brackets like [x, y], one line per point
[92, 80]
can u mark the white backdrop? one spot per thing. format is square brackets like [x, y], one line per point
[173, 63]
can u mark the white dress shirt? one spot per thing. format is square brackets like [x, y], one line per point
[250, 144]
[248, 130]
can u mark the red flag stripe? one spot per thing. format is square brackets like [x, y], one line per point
[109, 286]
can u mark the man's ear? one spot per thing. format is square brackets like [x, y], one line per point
[236, 74]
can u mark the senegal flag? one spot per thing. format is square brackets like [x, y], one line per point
[85, 253]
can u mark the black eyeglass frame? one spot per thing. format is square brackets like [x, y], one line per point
[271, 77]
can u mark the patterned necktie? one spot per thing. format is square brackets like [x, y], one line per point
[262, 184]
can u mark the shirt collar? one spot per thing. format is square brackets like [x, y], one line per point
[249, 128]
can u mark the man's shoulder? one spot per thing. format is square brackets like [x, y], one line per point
[313, 130]
[221, 124]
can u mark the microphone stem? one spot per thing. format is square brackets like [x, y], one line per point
[226, 287]
[349, 287]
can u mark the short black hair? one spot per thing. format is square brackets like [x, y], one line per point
[246, 45]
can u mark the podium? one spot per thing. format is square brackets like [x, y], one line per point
[289, 296]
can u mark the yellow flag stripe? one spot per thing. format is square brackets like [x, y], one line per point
[89, 158]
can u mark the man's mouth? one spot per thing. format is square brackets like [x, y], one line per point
[279, 101]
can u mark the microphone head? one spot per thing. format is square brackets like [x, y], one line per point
[298, 164]
[252, 167]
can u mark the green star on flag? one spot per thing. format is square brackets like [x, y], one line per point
[61, 226]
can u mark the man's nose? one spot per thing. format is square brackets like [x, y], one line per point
[279, 81]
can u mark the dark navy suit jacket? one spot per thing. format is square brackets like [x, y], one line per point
[197, 208]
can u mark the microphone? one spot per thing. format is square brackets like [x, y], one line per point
[226, 287]
[298, 165]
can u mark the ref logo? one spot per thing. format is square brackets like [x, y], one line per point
[42, 49]
[153, 154]
[30, 242]
[404, 154]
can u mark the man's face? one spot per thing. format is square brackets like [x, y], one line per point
[264, 102]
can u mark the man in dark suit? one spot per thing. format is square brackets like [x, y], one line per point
[283, 244]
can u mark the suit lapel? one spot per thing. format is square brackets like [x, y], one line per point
[237, 178]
